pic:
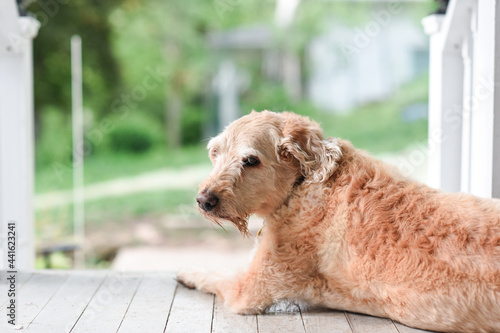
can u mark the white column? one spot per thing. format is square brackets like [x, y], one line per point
[446, 93]
[78, 149]
[468, 102]
[445, 105]
[16, 131]
[227, 85]
[485, 127]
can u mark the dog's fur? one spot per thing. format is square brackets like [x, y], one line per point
[345, 231]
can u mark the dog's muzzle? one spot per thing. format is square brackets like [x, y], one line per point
[207, 201]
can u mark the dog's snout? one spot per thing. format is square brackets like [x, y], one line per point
[207, 200]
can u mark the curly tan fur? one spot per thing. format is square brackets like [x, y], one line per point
[346, 231]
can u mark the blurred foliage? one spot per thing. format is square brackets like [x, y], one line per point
[56, 260]
[119, 208]
[140, 204]
[124, 39]
[136, 133]
[102, 167]
[192, 122]
[55, 144]
[59, 21]
[140, 55]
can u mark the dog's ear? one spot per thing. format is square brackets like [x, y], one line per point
[303, 141]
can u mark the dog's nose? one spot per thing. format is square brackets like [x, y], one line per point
[207, 200]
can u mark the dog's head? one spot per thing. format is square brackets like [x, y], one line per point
[258, 161]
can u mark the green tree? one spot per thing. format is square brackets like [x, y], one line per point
[60, 19]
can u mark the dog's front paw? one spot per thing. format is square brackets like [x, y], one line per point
[206, 281]
[186, 279]
[184, 283]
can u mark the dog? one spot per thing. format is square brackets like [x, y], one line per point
[345, 231]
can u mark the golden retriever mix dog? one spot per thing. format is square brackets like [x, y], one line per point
[345, 231]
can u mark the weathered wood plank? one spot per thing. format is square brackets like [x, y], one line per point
[325, 320]
[406, 329]
[287, 322]
[151, 304]
[54, 301]
[367, 324]
[67, 304]
[109, 304]
[226, 321]
[35, 294]
[191, 311]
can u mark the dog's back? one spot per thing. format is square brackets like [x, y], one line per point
[424, 257]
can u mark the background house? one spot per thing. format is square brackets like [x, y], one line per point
[343, 58]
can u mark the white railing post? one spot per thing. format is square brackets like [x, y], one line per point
[445, 97]
[16, 131]
[485, 121]
[468, 102]
[447, 89]
[78, 149]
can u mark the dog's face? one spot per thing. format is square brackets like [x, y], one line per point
[257, 162]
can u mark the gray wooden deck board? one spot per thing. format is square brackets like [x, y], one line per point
[107, 308]
[150, 306]
[286, 322]
[368, 324]
[108, 301]
[226, 321]
[405, 329]
[191, 311]
[315, 321]
[66, 306]
[32, 298]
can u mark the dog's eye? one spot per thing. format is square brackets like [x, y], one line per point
[251, 161]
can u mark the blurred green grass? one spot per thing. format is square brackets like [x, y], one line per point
[135, 205]
[120, 210]
[103, 167]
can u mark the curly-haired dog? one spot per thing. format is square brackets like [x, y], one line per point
[345, 231]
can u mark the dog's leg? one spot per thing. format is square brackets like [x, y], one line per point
[245, 293]
[205, 280]
[241, 293]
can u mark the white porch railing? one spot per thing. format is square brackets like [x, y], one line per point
[16, 132]
[464, 115]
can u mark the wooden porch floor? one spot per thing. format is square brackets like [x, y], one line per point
[108, 301]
